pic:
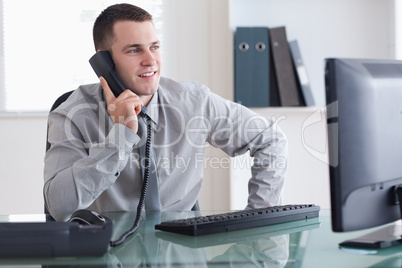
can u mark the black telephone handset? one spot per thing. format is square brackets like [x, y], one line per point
[103, 65]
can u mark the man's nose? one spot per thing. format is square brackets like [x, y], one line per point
[149, 59]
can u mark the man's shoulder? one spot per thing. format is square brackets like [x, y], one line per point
[89, 95]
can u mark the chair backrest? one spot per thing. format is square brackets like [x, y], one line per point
[56, 104]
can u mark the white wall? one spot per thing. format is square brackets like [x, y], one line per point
[22, 150]
[198, 45]
[398, 29]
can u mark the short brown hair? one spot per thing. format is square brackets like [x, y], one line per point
[103, 27]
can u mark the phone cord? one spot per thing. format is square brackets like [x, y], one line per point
[140, 206]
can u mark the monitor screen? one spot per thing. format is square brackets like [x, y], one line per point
[364, 120]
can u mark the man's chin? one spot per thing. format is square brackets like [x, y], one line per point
[145, 91]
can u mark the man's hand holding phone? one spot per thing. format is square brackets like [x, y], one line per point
[123, 109]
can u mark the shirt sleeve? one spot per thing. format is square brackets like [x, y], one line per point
[236, 129]
[77, 168]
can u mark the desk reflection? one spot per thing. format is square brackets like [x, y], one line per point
[256, 247]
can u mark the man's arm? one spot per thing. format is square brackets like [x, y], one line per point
[78, 169]
[236, 130]
[85, 158]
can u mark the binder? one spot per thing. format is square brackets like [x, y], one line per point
[252, 66]
[286, 78]
[301, 73]
[274, 100]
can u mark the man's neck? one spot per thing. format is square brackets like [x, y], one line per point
[146, 99]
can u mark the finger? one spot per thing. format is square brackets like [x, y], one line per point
[137, 108]
[106, 89]
[134, 101]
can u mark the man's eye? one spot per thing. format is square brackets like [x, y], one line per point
[154, 47]
[133, 51]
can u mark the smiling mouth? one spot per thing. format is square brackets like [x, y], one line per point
[147, 74]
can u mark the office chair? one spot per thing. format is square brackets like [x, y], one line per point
[56, 104]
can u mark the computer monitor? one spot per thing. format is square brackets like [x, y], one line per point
[364, 120]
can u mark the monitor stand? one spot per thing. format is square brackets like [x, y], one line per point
[384, 237]
[388, 236]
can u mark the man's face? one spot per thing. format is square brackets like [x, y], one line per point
[136, 55]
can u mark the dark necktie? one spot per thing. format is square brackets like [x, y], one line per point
[152, 201]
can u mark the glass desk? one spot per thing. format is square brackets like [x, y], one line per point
[308, 244]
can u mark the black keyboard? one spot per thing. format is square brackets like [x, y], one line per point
[239, 219]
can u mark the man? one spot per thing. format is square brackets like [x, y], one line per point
[95, 162]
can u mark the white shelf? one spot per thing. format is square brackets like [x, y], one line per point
[287, 110]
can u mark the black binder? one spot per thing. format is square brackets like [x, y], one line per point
[285, 74]
[301, 71]
[252, 66]
[274, 100]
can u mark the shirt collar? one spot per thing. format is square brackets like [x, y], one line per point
[153, 108]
